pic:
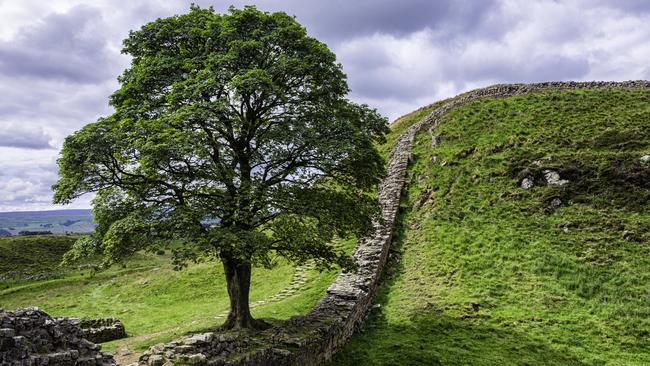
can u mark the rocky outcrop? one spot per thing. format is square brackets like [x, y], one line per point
[315, 338]
[31, 337]
[102, 330]
[546, 177]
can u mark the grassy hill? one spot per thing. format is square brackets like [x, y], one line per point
[155, 302]
[30, 255]
[485, 272]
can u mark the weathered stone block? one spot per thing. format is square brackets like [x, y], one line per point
[102, 330]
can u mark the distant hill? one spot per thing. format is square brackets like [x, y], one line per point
[56, 222]
[85, 212]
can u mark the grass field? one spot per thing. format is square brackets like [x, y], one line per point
[488, 273]
[26, 255]
[155, 303]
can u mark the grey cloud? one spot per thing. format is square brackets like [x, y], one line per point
[26, 185]
[553, 68]
[12, 135]
[380, 83]
[632, 6]
[8, 109]
[336, 20]
[61, 107]
[68, 46]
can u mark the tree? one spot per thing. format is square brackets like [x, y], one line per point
[232, 138]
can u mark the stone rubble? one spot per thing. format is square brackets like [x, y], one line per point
[30, 337]
[18, 275]
[527, 183]
[102, 330]
[553, 178]
[556, 202]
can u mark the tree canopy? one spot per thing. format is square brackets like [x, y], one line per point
[233, 138]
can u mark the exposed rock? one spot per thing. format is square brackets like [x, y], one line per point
[197, 359]
[630, 235]
[645, 158]
[424, 199]
[527, 183]
[553, 178]
[434, 141]
[156, 360]
[556, 202]
[31, 337]
[90, 266]
[541, 162]
[198, 338]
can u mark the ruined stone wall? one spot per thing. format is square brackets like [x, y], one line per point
[316, 337]
[102, 330]
[31, 337]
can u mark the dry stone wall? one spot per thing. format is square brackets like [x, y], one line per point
[102, 330]
[30, 337]
[315, 338]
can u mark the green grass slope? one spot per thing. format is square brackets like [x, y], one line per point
[484, 272]
[32, 255]
[155, 302]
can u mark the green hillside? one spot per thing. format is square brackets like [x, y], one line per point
[24, 255]
[482, 271]
[155, 302]
[485, 272]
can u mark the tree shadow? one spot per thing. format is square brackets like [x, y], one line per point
[431, 338]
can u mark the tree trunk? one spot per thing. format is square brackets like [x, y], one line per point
[238, 278]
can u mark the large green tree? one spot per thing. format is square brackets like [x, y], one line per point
[232, 138]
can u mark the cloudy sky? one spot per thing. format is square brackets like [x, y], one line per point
[59, 59]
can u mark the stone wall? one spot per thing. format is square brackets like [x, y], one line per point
[102, 330]
[316, 337]
[31, 337]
